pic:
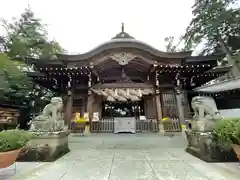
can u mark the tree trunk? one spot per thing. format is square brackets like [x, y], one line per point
[235, 70]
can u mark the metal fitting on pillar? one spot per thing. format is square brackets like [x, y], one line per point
[89, 83]
[156, 78]
[89, 79]
[70, 82]
[177, 78]
[89, 92]
[148, 78]
[178, 91]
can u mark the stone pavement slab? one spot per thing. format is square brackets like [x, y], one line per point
[129, 157]
[21, 167]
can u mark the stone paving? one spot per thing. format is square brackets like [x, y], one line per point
[21, 167]
[130, 157]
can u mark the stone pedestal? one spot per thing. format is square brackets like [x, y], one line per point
[204, 125]
[204, 146]
[46, 147]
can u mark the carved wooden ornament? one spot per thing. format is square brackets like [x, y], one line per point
[123, 58]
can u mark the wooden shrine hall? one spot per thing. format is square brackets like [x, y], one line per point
[125, 79]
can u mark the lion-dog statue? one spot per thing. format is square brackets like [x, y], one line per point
[50, 120]
[205, 113]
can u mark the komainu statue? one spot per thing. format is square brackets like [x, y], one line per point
[205, 113]
[50, 120]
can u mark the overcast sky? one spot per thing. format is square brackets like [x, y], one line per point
[80, 25]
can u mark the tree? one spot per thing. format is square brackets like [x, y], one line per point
[27, 37]
[171, 46]
[216, 22]
[18, 88]
[3, 47]
[17, 83]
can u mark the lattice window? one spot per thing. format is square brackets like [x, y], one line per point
[169, 104]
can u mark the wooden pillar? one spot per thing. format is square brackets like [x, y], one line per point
[90, 100]
[158, 103]
[145, 106]
[90, 105]
[69, 105]
[159, 110]
[68, 109]
[158, 107]
[180, 106]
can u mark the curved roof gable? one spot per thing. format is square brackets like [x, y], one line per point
[124, 40]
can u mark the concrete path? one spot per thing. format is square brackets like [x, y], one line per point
[21, 168]
[130, 157]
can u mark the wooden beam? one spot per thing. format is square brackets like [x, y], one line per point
[81, 87]
[94, 71]
[117, 78]
[153, 68]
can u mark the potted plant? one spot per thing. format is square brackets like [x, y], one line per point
[11, 143]
[227, 134]
[79, 124]
[167, 123]
[236, 145]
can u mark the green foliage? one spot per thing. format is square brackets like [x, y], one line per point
[27, 37]
[14, 76]
[170, 47]
[17, 84]
[14, 139]
[238, 132]
[18, 88]
[213, 20]
[227, 132]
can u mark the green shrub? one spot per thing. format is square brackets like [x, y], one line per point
[13, 139]
[227, 132]
[238, 132]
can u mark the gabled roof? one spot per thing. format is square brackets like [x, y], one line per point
[124, 40]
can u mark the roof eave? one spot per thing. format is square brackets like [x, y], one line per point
[226, 85]
[124, 44]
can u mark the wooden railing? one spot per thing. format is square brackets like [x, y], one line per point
[103, 126]
[172, 125]
[107, 126]
[149, 125]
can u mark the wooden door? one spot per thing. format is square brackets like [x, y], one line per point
[150, 107]
[169, 104]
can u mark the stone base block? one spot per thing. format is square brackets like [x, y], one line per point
[46, 147]
[203, 146]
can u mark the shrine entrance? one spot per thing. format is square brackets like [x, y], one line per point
[131, 78]
[124, 110]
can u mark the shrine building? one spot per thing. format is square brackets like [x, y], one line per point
[126, 78]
